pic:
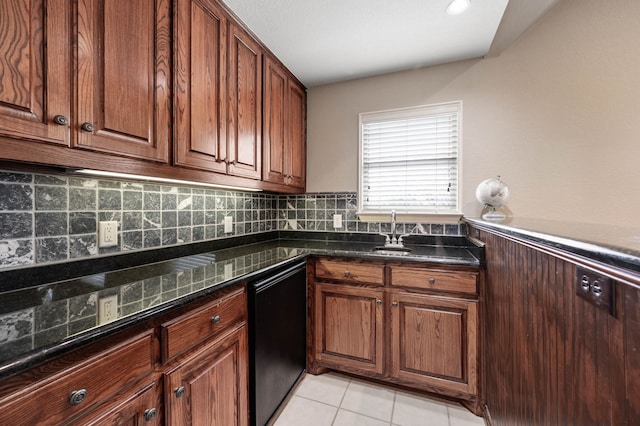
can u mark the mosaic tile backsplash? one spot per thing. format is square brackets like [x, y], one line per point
[51, 218]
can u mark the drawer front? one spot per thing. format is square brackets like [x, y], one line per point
[353, 272]
[427, 279]
[182, 333]
[81, 387]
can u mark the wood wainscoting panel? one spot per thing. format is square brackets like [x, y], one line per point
[551, 356]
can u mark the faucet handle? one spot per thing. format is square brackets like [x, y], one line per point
[386, 238]
[401, 237]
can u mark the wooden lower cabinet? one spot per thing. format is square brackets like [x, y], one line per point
[434, 343]
[349, 332]
[210, 387]
[400, 333]
[140, 408]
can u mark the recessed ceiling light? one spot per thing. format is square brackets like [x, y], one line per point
[456, 7]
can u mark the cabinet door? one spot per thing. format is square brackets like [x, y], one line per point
[245, 104]
[348, 328]
[434, 343]
[284, 128]
[295, 152]
[123, 62]
[34, 70]
[140, 408]
[200, 86]
[274, 131]
[211, 386]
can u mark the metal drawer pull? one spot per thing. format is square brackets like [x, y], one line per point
[77, 396]
[432, 280]
[61, 120]
[179, 391]
[347, 274]
[215, 319]
[150, 414]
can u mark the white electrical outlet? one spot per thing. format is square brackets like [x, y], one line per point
[108, 233]
[337, 221]
[107, 309]
[228, 224]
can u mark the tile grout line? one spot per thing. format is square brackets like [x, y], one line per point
[341, 401]
[393, 407]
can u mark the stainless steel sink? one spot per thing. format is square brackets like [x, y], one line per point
[393, 251]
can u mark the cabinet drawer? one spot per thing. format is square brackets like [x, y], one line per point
[354, 272]
[82, 386]
[449, 281]
[184, 332]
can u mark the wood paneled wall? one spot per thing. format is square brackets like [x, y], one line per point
[552, 358]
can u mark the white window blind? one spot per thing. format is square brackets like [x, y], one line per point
[409, 160]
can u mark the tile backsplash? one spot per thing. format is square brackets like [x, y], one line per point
[53, 218]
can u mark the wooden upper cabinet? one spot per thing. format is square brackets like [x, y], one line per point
[123, 76]
[245, 104]
[284, 128]
[200, 85]
[295, 152]
[35, 70]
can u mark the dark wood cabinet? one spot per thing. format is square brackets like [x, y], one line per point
[415, 326]
[123, 76]
[82, 387]
[552, 357]
[244, 133]
[200, 85]
[218, 92]
[143, 407]
[169, 89]
[283, 128]
[210, 387]
[434, 343]
[35, 70]
[349, 328]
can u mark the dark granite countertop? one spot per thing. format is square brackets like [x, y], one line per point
[617, 246]
[41, 316]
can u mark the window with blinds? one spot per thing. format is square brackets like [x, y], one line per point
[409, 160]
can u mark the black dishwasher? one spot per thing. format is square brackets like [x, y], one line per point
[277, 339]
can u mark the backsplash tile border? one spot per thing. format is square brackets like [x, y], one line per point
[53, 218]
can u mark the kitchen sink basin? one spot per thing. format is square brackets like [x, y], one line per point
[393, 251]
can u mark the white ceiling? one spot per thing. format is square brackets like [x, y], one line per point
[326, 41]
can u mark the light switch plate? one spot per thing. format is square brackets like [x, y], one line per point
[108, 233]
[228, 224]
[337, 221]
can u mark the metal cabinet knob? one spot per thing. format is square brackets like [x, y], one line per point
[179, 391]
[87, 127]
[150, 414]
[77, 396]
[61, 120]
[394, 304]
[432, 280]
[347, 274]
[378, 302]
[215, 319]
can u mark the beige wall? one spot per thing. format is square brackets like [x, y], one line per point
[556, 114]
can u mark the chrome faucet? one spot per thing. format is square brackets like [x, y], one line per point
[393, 240]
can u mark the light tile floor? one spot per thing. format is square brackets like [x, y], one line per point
[333, 399]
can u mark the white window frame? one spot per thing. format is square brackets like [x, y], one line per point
[441, 215]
